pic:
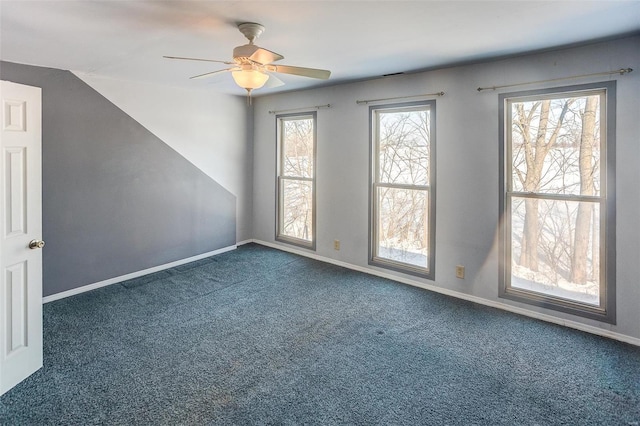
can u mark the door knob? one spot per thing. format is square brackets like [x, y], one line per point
[36, 244]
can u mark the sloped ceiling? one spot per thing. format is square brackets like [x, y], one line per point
[354, 39]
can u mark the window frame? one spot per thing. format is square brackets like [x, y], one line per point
[374, 167]
[281, 178]
[606, 311]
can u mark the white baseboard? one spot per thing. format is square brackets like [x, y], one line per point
[136, 274]
[544, 317]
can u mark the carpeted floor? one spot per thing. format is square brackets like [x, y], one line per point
[260, 336]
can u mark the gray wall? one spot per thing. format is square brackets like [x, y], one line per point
[116, 199]
[207, 128]
[467, 172]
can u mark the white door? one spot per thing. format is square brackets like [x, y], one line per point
[20, 233]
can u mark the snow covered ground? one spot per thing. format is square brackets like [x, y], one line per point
[525, 279]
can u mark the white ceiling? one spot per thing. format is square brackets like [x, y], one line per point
[354, 39]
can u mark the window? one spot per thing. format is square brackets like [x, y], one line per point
[296, 179]
[557, 199]
[402, 187]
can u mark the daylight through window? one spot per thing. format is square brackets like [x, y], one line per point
[296, 179]
[556, 200]
[402, 192]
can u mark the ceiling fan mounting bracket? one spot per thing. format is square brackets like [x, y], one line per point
[251, 30]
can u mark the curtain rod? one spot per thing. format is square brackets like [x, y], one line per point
[300, 109]
[621, 71]
[400, 97]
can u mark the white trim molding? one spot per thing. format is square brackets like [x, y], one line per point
[471, 298]
[503, 306]
[136, 274]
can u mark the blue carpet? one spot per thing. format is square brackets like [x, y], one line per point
[260, 336]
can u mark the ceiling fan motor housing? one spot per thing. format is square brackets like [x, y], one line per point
[244, 52]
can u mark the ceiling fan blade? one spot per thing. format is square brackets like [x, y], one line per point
[208, 74]
[264, 56]
[197, 59]
[273, 82]
[304, 72]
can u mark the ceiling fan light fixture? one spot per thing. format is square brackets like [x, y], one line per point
[249, 79]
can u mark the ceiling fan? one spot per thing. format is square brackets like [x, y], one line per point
[253, 66]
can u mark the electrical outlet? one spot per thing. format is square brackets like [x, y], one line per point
[459, 271]
[336, 244]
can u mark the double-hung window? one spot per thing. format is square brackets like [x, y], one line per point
[557, 239]
[402, 219]
[296, 134]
